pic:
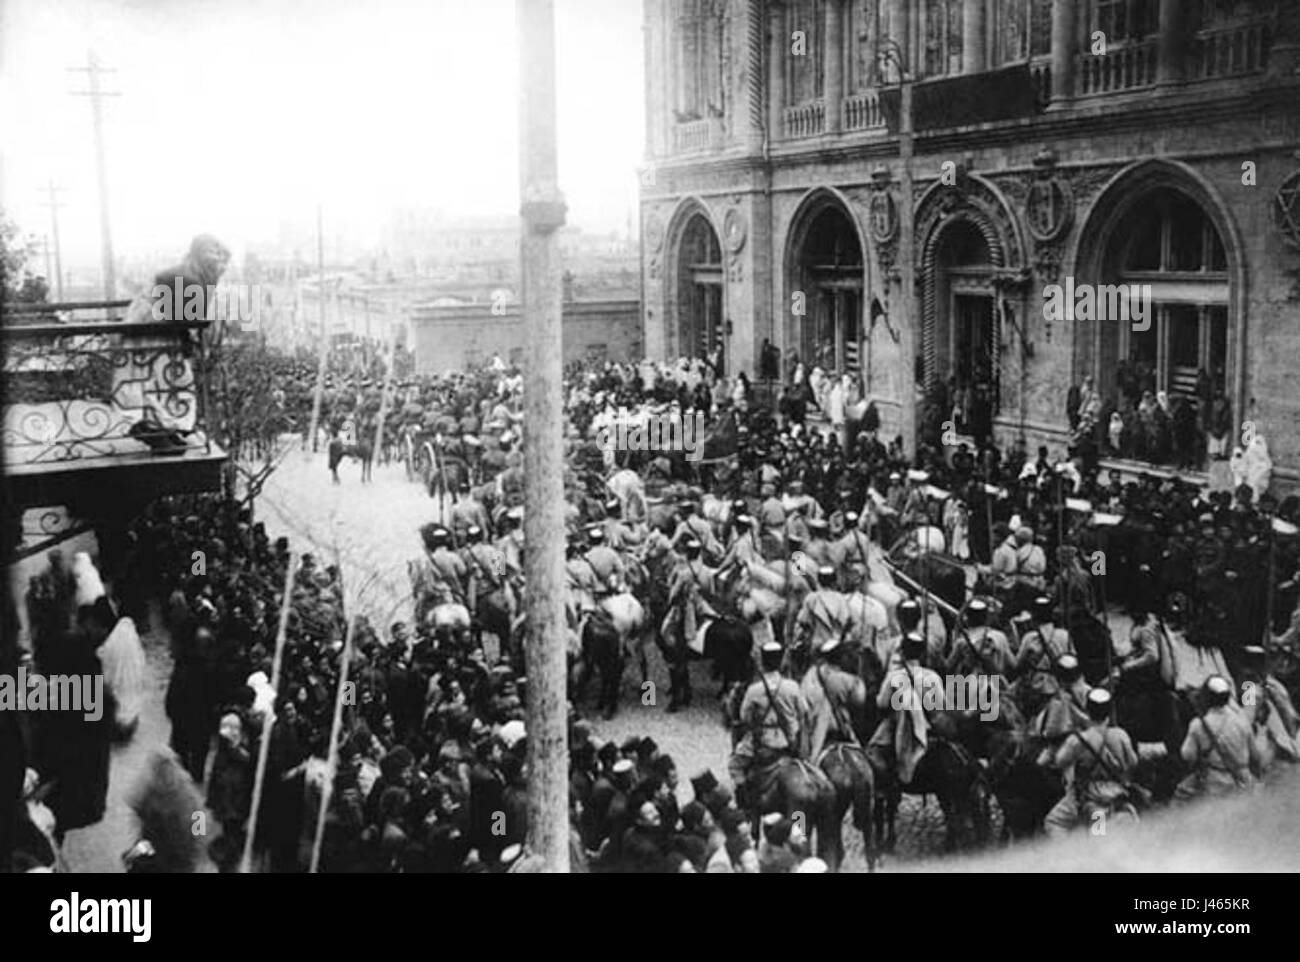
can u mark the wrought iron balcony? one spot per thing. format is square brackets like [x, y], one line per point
[101, 393]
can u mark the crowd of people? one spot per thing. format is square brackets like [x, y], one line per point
[431, 772]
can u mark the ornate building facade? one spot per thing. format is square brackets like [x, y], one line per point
[1070, 142]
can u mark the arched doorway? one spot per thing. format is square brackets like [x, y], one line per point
[964, 350]
[1173, 376]
[827, 270]
[699, 288]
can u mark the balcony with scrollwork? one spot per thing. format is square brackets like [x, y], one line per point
[96, 406]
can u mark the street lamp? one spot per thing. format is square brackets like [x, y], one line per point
[889, 50]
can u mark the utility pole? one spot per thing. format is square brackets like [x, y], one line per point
[906, 228]
[323, 346]
[889, 49]
[542, 211]
[96, 95]
[54, 204]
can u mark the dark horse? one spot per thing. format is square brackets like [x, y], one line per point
[849, 771]
[949, 772]
[602, 652]
[362, 451]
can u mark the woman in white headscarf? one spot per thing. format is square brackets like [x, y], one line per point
[1237, 465]
[1116, 431]
[1258, 466]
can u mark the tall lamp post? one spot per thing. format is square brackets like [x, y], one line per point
[888, 50]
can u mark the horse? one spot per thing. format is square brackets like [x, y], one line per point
[601, 650]
[362, 451]
[622, 618]
[848, 769]
[1025, 790]
[802, 792]
[950, 772]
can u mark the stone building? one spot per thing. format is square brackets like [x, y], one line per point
[1084, 142]
[454, 337]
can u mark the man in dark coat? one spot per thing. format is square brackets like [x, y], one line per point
[72, 750]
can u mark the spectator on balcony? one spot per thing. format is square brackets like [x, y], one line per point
[1073, 399]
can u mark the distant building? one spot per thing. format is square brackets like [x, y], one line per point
[450, 338]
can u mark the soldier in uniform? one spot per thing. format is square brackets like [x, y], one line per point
[1066, 708]
[689, 585]
[818, 548]
[774, 717]
[771, 519]
[1220, 746]
[911, 697]
[823, 616]
[1098, 764]
[468, 511]
[980, 649]
[836, 699]
[1267, 705]
[623, 536]
[446, 568]
[851, 553]
[605, 563]
[1040, 649]
[691, 525]
[744, 548]
[580, 578]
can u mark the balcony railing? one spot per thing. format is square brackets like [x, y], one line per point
[805, 120]
[1231, 50]
[1129, 67]
[92, 391]
[862, 112]
[693, 135]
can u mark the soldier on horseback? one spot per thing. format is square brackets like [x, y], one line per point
[1098, 764]
[1040, 649]
[1066, 708]
[442, 570]
[774, 716]
[911, 696]
[824, 616]
[690, 585]
[606, 564]
[1220, 747]
[980, 649]
[835, 699]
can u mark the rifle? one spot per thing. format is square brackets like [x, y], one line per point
[1129, 786]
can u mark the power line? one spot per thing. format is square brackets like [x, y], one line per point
[53, 203]
[97, 95]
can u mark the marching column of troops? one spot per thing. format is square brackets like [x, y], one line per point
[433, 775]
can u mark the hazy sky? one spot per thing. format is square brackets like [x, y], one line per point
[238, 116]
